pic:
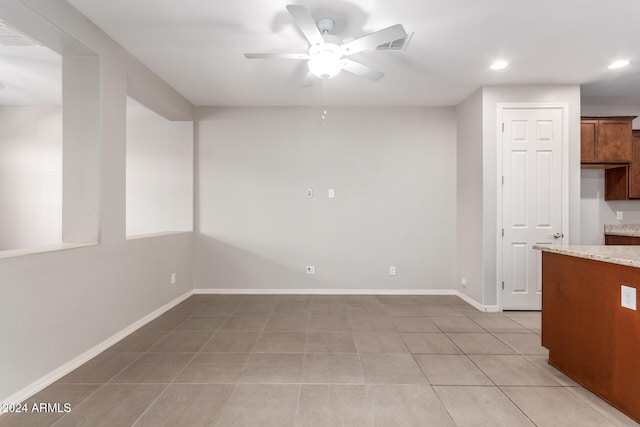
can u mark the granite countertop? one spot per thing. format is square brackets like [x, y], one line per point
[623, 255]
[632, 230]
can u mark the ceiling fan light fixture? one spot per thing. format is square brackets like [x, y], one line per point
[499, 65]
[619, 64]
[326, 61]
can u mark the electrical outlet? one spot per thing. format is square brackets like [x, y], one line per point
[311, 269]
[619, 215]
[629, 297]
[463, 282]
[173, 278]
[392, 270]
[331, 193]
[309, 192]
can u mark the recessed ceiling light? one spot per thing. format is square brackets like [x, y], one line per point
[619, 64]
[499, 65]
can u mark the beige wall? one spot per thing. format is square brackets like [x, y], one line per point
[159, 172]
[469, 192]
[58, 305]
[394, 174]
[30, 177]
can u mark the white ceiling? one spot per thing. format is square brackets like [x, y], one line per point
[197, 47]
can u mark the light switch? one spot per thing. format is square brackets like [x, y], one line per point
[392, 270]
[309, 192]
[332, 193]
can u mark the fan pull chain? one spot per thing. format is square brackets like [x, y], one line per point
[324, 101]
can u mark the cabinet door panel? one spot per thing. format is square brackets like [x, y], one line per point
[614, 141]
[634, 167]
[616, 183]
[588, 132]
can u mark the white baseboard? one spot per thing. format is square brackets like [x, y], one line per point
[476, 304]
[467, 299]
[215, 291]
[63, 370]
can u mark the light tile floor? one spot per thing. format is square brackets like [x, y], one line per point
[283, 360]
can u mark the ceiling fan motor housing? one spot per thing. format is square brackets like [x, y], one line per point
[325, 25]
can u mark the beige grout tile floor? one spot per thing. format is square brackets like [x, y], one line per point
[318, 360]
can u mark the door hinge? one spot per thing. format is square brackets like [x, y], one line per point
[503, 285]
[503, 232]
[502, 179]
[503, 127]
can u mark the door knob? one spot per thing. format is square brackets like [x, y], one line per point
[558, 235]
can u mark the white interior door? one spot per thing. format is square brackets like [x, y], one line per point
[531, 200]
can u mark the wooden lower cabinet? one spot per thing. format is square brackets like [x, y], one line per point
[612, 239]
[590, 336]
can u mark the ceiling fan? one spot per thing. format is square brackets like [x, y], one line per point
[326, 56]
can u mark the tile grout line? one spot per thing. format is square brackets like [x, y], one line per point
[603, 413]
[442, 403]
[234, 385]
[102, 385]
[350, 317]
[177, 375]
[515, 352]
[185, 366]
[517, 406]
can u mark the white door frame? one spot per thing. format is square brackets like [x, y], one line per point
[565, 177]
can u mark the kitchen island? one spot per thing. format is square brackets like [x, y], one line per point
[589, 335]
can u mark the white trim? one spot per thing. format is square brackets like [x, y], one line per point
[564, 106]
[477, 305]
[63, 370]
[327, 291]
[158, 234]
[12, 253]
[464, 297]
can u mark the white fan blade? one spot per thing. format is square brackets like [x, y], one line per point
[309, 80]
[276, 55]
[306, 23]
[362, 70]
[373, 40]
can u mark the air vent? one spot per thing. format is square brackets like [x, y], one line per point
[396, 45]
[12, 37]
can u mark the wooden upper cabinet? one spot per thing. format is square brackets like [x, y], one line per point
[634, 167]
[605, 139]
[616, 183]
